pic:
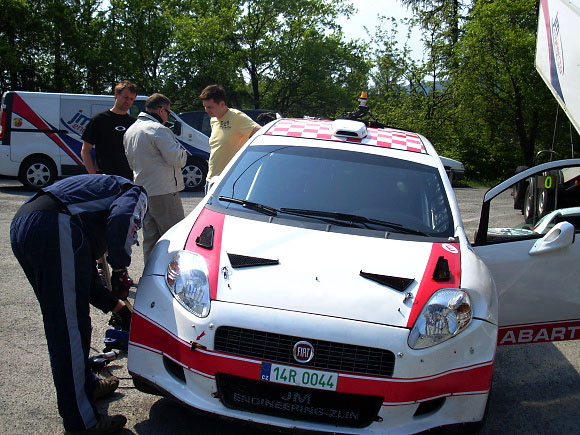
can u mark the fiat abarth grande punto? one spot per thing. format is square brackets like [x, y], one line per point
[326, 283]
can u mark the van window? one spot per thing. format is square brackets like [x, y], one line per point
[137, 107]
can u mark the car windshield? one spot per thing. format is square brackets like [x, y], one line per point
[339, 187]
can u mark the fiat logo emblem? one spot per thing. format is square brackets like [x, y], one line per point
[303, 352]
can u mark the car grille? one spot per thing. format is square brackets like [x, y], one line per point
[345, 358]
[340, 409]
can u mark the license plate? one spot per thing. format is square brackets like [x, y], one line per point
[299, 377]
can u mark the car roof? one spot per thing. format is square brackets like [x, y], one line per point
[347, 131]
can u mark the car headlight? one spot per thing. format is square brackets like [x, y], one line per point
[187, 279]
[446, 314]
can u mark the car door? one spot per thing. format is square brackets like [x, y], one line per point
[528, 237]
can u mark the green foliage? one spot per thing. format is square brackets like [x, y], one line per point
[505, 108]
[17, 38]
[475, 92]
[284, 54]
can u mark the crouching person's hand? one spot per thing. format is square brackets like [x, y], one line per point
[121, 282]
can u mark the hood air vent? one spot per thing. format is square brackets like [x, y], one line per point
[399, 284]
[205, 239]
[238, 261]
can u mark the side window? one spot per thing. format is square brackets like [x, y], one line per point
[173, 124]
[205, 127]
[531, 207]
[137, 107]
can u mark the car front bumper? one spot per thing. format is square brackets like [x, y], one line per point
[174, 351]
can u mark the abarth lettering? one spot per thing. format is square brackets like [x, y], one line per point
[532, 335]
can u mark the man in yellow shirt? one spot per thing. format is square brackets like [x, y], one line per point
[230, 129]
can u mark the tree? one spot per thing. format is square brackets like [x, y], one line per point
[50, 45]
[415, 94]
[18, 25]
[138, 39]
[319, 75]
[502, 98]
[203, 52]
[295, 58]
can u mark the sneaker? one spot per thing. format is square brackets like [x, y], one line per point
[107, 424]
[105, 387]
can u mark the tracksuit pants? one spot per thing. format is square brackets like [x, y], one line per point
[164, 212]
[56, 257]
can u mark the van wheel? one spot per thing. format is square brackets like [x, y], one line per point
[545, 202]
[37, 172]
[530, 203]
[194, 175]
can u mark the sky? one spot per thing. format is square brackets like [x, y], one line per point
[367, 15]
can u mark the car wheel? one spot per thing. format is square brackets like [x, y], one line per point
[519, 191]
[37, 172]
[529, 203]
[519, 194]
[194, 175]
[545, 202]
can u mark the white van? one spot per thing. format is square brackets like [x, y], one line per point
[40, 136]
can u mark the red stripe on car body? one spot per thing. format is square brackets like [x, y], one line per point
[473, 379]
[428, 286]
[212, 256]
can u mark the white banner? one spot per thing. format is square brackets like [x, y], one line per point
[558, 53]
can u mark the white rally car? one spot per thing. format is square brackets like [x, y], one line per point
[326, 283]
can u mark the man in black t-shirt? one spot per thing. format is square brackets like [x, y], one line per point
[105, 132]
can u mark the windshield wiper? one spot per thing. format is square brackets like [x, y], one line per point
[340, 218]
[261, 208]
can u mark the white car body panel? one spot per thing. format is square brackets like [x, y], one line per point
[311, 289]
[538, 279]
[316, 272]
[530, 298]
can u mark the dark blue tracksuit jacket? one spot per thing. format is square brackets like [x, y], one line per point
[56, 236]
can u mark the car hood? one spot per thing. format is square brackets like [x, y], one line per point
[292, 268]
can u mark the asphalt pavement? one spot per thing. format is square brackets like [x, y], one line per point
[536, 387]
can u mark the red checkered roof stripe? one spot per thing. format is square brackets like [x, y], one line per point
[317, 129]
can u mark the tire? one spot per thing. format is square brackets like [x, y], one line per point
[545, 202]
[518, 193]
[37, 172]
[529, 203]
[194, 175]
[547, 196]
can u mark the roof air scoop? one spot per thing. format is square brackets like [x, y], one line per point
[349, 128]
